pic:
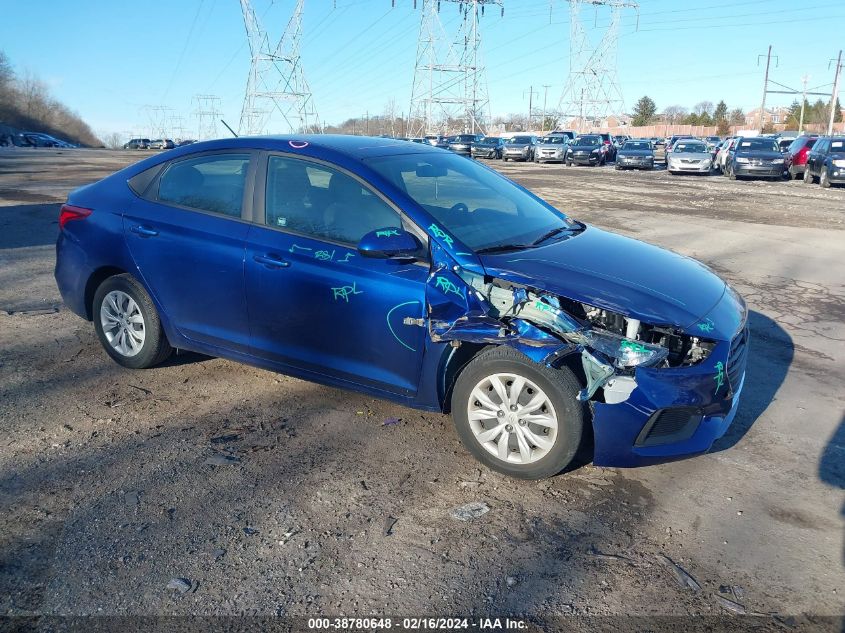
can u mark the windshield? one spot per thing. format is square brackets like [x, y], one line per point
[758, 145]
[637, 145]
[490, 139]
[475, 204]
[589, 141]
[690, 148]
[519, 140]
[464, 138]
[553, 140]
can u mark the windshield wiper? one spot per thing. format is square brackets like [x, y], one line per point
[502, 248]
[556, 231]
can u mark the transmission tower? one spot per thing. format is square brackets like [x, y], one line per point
[207, 113]
[277, 97]
[592, 91]
[450, 82]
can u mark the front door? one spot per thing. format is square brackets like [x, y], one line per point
[314, 302]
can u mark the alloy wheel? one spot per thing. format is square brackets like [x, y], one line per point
[512, 418]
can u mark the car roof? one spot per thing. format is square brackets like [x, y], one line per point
[337, 148]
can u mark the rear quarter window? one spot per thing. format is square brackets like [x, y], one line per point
[207, 183]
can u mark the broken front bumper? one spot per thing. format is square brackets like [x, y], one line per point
[672, 412]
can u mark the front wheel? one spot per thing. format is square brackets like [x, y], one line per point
[824, 178]
[518, 417]
[128, 324]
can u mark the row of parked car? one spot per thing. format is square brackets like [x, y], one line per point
[159, 143]
[812, 157]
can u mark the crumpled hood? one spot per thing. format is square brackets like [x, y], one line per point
[616, 273]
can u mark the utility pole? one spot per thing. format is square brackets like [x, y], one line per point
[368, 122]
[449, 75]
[531, 94]
[591, 90]
[835, 94]
[765, 87]
[803, 101]
[277, 95]
[545, 97]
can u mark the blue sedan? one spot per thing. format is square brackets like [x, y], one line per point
[410, 273]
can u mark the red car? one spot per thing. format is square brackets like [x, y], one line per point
[796, 155]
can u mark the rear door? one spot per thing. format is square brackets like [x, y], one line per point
[187, 237]
[314, 302]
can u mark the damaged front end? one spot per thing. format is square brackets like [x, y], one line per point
[651, 388]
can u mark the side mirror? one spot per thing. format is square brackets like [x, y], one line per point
[390, 243]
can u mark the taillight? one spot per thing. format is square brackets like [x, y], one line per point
[801, 156]
[70, 212]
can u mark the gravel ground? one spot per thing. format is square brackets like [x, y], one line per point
[267, 495]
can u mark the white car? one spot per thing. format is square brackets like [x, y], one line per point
[722, 155]
[689, 155]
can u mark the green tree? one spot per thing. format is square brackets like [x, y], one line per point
[692, 119]
[721, 112]
[723, 128]
[837, 114]
[644, 111]
[737, 117]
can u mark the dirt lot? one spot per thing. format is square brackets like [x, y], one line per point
[106, 493]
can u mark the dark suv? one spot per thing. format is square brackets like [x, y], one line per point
[826, 161]
[137, 143]
[462, 143]
[796, 155]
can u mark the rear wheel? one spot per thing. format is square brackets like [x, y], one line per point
[824, 178]
[808, 176]
[518, 417]
[128, 324]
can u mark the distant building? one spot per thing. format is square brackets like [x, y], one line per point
[775, 116]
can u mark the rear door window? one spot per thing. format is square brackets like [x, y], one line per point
[213, 183]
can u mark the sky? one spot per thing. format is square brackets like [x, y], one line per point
[110, 59]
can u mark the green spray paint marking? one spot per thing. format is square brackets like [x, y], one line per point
[544, 307]
[436, 231]
[387, 233]
[720, 375]
[324, 255]
[295, 248]
[447, 286]
[633, 346]
[707, 326]
[345, 258]
[345, 291]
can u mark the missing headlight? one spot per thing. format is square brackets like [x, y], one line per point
[684, 350]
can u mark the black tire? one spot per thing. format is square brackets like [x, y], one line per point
[731, 173]
[561, 386]
[155, 347]
[824, 178]
[504, 159]
[569, 163]
[808, 176]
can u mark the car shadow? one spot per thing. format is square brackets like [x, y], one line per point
[769, 357]
[26, 225]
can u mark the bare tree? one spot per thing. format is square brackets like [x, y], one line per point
[703, 107]
[113, 140]
[674, 114]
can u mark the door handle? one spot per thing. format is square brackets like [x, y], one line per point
[143, 231]
[271, 261]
